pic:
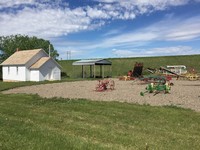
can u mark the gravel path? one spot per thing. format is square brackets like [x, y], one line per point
[184, 93]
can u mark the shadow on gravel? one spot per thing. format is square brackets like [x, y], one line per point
[191, 85]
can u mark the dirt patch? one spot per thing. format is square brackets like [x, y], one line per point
[184, 93]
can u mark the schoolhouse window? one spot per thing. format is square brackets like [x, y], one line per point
[8, 70]
[17, 69]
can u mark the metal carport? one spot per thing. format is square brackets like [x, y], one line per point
[93, 63]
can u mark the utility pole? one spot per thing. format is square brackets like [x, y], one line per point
[68, 55]
[49, 50]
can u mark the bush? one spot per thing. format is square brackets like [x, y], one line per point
[1, 73]
[64, 75]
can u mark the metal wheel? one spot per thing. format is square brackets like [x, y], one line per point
[192, 77]
[112, 85]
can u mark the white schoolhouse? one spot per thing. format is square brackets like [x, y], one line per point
[30, 65]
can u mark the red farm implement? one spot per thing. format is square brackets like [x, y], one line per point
[132, 74]
[104, 85]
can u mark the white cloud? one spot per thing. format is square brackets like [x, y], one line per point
[169, 29]
[74, 53]
[178, 50]
[123, 53]
[184, 30]
[132, 43]
[55, 18]
[113, 32]
[146, 2]
[11, 3]
[46, 20]
[160, 51]
[44, 23]
[144, 6]
[38, 3]
[132, 38]
[96, 13]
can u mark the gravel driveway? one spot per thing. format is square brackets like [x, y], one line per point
[184, 93]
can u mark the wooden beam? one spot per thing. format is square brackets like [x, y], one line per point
[111, 70]
[103, 72]
[94, 71]
[82, 71]
[90, 71]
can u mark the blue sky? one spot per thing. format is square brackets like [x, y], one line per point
[107, 28]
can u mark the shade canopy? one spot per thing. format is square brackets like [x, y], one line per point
[92, 63]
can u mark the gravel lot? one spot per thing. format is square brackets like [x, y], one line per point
[183, 94]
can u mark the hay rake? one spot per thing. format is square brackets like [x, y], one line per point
[104, 85]
[157, 88]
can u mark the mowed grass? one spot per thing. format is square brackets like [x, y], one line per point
[120, 66]
[10, 85]
[31, 122]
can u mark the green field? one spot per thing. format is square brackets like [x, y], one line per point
[120, 66]
[29, 122]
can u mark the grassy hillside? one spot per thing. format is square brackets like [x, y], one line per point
[31, 122]
[120, 66]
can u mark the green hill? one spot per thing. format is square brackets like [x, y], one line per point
[120, 66]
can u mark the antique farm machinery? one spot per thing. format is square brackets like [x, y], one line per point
[157, 83]
[155, 77]
[159, 79]
[132, 74]
[191, 75]
[104, 85]
[157, 88]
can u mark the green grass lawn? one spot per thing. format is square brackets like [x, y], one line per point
[31, 122]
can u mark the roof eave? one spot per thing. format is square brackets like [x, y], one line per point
[12, 64]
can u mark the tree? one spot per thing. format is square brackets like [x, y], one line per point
[9, 44]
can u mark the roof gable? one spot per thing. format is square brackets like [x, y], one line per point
[21, 57]
[42, 61]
